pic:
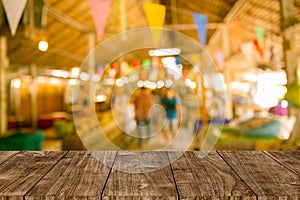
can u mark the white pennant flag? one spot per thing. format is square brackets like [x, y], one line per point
[14, 10]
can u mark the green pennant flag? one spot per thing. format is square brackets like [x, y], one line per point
[147, 64]
[260, 34]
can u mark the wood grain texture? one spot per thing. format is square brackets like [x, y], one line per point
[290, 159]
[20, 173]
[79, 175]
[267, 178]
[5, 155]
[141, 175]
[207, 178]
[149, 175]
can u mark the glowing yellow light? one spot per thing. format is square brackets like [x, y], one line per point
[73, 82]
[119, 82]
[160, 84]
[16, 83]
[75, 72]
[284, 104]
[43, 45]
[84, 76]
[140, 83]
[165, 52]
[60, 73]
[100, 98]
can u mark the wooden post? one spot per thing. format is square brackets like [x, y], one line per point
[33, 96]
[203, 107]
[227, 52]
[174, 11]
[3, 90]
[228, 94]
[91, 67]
[290, 56]
[226, 42]
[17, 96]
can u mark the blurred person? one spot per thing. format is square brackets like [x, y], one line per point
[143, 101]
[172, 107]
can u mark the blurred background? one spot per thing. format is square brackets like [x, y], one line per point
[242, 81]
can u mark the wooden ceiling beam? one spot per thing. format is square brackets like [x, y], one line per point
[263, 16]
[238, 6]
[184, 9]
[293, 27]
[263, 7]
[66, 54]
[258, 20]
[184, 27]
[67, 20]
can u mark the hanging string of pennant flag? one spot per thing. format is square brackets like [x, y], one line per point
[155, 15]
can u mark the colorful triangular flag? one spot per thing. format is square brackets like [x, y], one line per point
[234, 29]
[100, 10]
[201, 23]
[260, 33]
[14, 10]
[219, 57]
[155, 14]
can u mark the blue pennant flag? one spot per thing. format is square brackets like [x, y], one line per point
[201, 23]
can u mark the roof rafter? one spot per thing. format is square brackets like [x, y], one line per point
[66, 19]
[230, 15]
[183, 27]
[259, 6]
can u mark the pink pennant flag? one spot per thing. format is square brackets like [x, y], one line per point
[100, 10]
[220, 59]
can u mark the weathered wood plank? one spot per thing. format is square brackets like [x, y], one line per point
[290, 159]
[267, 178]
[137, 175]
[20, 173]
[5, 155]
[79, 175]
[206, 178]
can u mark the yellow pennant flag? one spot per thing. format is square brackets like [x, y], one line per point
[155, 14]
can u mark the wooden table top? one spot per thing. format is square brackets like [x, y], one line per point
[218, 175]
